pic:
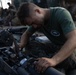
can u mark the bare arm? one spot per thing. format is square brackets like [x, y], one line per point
[24, 38]
[67, 49]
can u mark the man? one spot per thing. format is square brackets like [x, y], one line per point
[57, 24]
[11, 9]
[11, 6]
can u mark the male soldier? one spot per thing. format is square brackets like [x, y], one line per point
[57, 24]
[11, 6]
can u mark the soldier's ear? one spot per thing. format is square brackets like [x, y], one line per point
[37, 11]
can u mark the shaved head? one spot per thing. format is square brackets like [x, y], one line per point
[24, 11]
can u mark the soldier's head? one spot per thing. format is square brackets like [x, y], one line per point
[30, 14]
[9, 3]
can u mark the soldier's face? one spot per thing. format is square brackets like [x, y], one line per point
[35, 19]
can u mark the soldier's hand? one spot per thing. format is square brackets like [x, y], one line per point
[43, 63]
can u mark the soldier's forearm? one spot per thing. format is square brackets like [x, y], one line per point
[66, 50]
